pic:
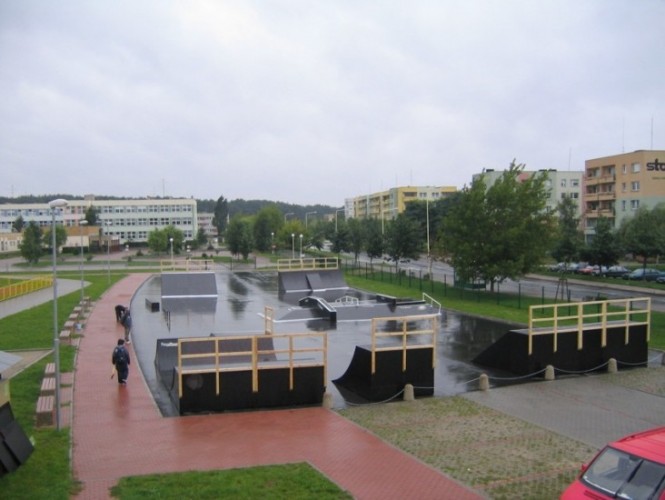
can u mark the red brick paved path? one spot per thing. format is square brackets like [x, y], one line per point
[118, 431]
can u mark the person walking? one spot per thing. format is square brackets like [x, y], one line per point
[119, 312]
[121, 361]
[126, 321]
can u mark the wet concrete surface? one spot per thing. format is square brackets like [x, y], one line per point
[239, 310]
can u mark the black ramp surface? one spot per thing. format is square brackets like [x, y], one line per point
[388, 379]
[305, 281]
[511, 351]
[189, 285]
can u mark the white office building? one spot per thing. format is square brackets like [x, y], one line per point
[124, 221]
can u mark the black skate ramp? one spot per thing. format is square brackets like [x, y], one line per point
[511, 351]
[307, 281]
[203, 386]
[388, 378]
[179, 285]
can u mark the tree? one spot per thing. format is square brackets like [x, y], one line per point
[499, 232]
[266, 224]
[604, 248]
[374, 241]
[239, 237]
[643, 235]
[18, 224]
[340, 237]
[402, 241]
[201, 237]
[92, 216]
[60, 237]
[356, 237]
[569, 239]
[31, 245]
[159, 240]
[221, 215]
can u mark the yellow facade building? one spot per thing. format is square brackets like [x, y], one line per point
[616, 186]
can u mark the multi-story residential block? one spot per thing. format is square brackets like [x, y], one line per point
[560, 184]
[616, 186]
[120, 222]
[204, 221]
[387, 204]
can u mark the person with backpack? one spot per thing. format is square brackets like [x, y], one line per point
[121, 361]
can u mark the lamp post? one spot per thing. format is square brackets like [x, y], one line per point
[336, 211]
[293, 245]
[171, 242]
[272, 242]
[429, 255]
[301, 245]
[108, 251]
[56, 340]
[82, 222]
[308, 213]
[287, 215]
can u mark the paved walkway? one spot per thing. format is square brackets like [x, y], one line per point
[118, 431]
[590, 409]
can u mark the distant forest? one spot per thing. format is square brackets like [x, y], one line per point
[240, 206]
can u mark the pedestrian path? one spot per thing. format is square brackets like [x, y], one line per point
[118, 431]
[590, 409]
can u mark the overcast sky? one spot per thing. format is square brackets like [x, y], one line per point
[317, 101]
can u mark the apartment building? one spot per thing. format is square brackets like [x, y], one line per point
[387, 204]
[121, 222]
[616, 186]
[560, 184]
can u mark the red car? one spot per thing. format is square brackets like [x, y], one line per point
[632, 467]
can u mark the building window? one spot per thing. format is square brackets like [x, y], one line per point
[624, 169]
[574, 196]
[635, 168]
[563, 183]
[574, 183]
[623, 187]
[634, 204]
[623, 205]
[635, 186]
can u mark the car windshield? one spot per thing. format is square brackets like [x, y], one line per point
[622, 475]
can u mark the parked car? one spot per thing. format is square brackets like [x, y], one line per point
[644, 274]
[632, 467]
[592, 270]
[615, 272]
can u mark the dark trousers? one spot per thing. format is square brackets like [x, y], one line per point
[123, 373]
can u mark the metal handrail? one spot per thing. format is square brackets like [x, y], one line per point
[24, 287]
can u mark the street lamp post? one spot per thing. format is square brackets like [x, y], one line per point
[82, 223]
[293, 245]
[272, 242]
[308, 213]
[336, 211]
[56, 339]
[171, 242]
[108, 251]
[287, 215]
[300, 245]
